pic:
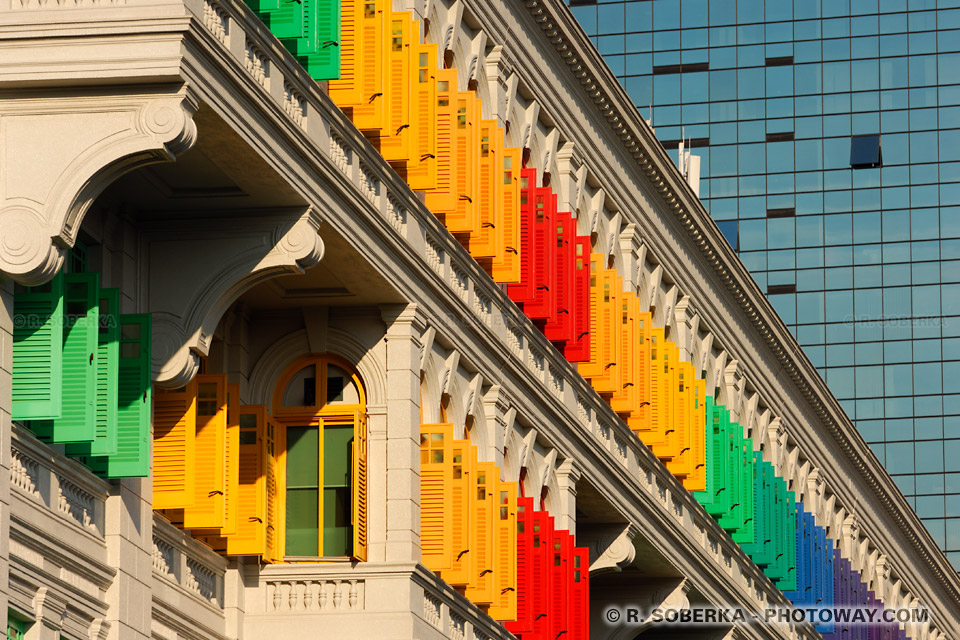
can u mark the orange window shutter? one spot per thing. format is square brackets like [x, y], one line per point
[359, 486]
[504, 606]
[697, 479]
[506, 267]
[273, 496]
[436, 483]
[486, 242]
[462, 472]
[482, 558]
[174, 434]
[465, 217]
[623, 399]
[251, 484]
[370, 115]
[639, 418]
[346, 92]
[443, 197]
[608, 380]
[207, 510]
[421, 173]
[682, 463]
[398, 141]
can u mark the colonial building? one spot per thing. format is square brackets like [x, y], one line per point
[387, 320]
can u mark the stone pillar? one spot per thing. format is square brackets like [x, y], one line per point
[6, 399]
[567, 476]
[128, 529]
[404, 329]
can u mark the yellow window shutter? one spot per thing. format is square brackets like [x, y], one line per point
[486, 241]
[232, 463]
[251, 513]
[436, 483]
[639, 418]
[208, 508]
[504, 606]
[273, 496]
[174, 432]
[465, 217]
[359, 486]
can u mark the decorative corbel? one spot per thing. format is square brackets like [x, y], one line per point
[426, 348]
[78, 145]
[190, 284]
[611, 546]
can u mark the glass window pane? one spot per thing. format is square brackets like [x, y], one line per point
[302, 389]
[341, 388]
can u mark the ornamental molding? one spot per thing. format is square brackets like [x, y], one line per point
[194, 269]
[60, 151]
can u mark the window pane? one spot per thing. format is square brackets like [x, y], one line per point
[340, 387]
[302, 390]
[303, 495]
[337, 459]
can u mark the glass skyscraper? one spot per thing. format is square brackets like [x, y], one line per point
[829, 133]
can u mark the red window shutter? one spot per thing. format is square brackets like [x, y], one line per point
[523, 623]
[578, 349]
[523, 292]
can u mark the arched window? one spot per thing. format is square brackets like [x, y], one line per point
[320, 406]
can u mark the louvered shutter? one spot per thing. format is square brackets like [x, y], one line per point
[134, 402]
[525, 568]
[346, 91]
[443, 197]
[422, 172]
[485, 241]
[397, 143]
[579, 349]
[592, 367]
[698, 436]
[251, 483]
[482, 506]
[231, 471]
[273, 495]
[746, 517]
[436, 484]
[580, 595]
[505, 551]
[560, 578]
[174, 435]
[542, 590]
[506, 270]
[37, 350]
[78, 415]
[559, 325]
[107, 378]
[462, 472]
[319, 52]
[543, 304]
[464, 217]
[359, 486]
[523, 291]
[370, 115]
[207, 510]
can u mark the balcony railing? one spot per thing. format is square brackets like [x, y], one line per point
[366, 595]
[58, 483]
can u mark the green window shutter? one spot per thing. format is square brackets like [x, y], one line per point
[37, 350]
[77, 421]
[322, 57]
[16, 628]
[134, 402]
[108, 373]
[745, 533]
